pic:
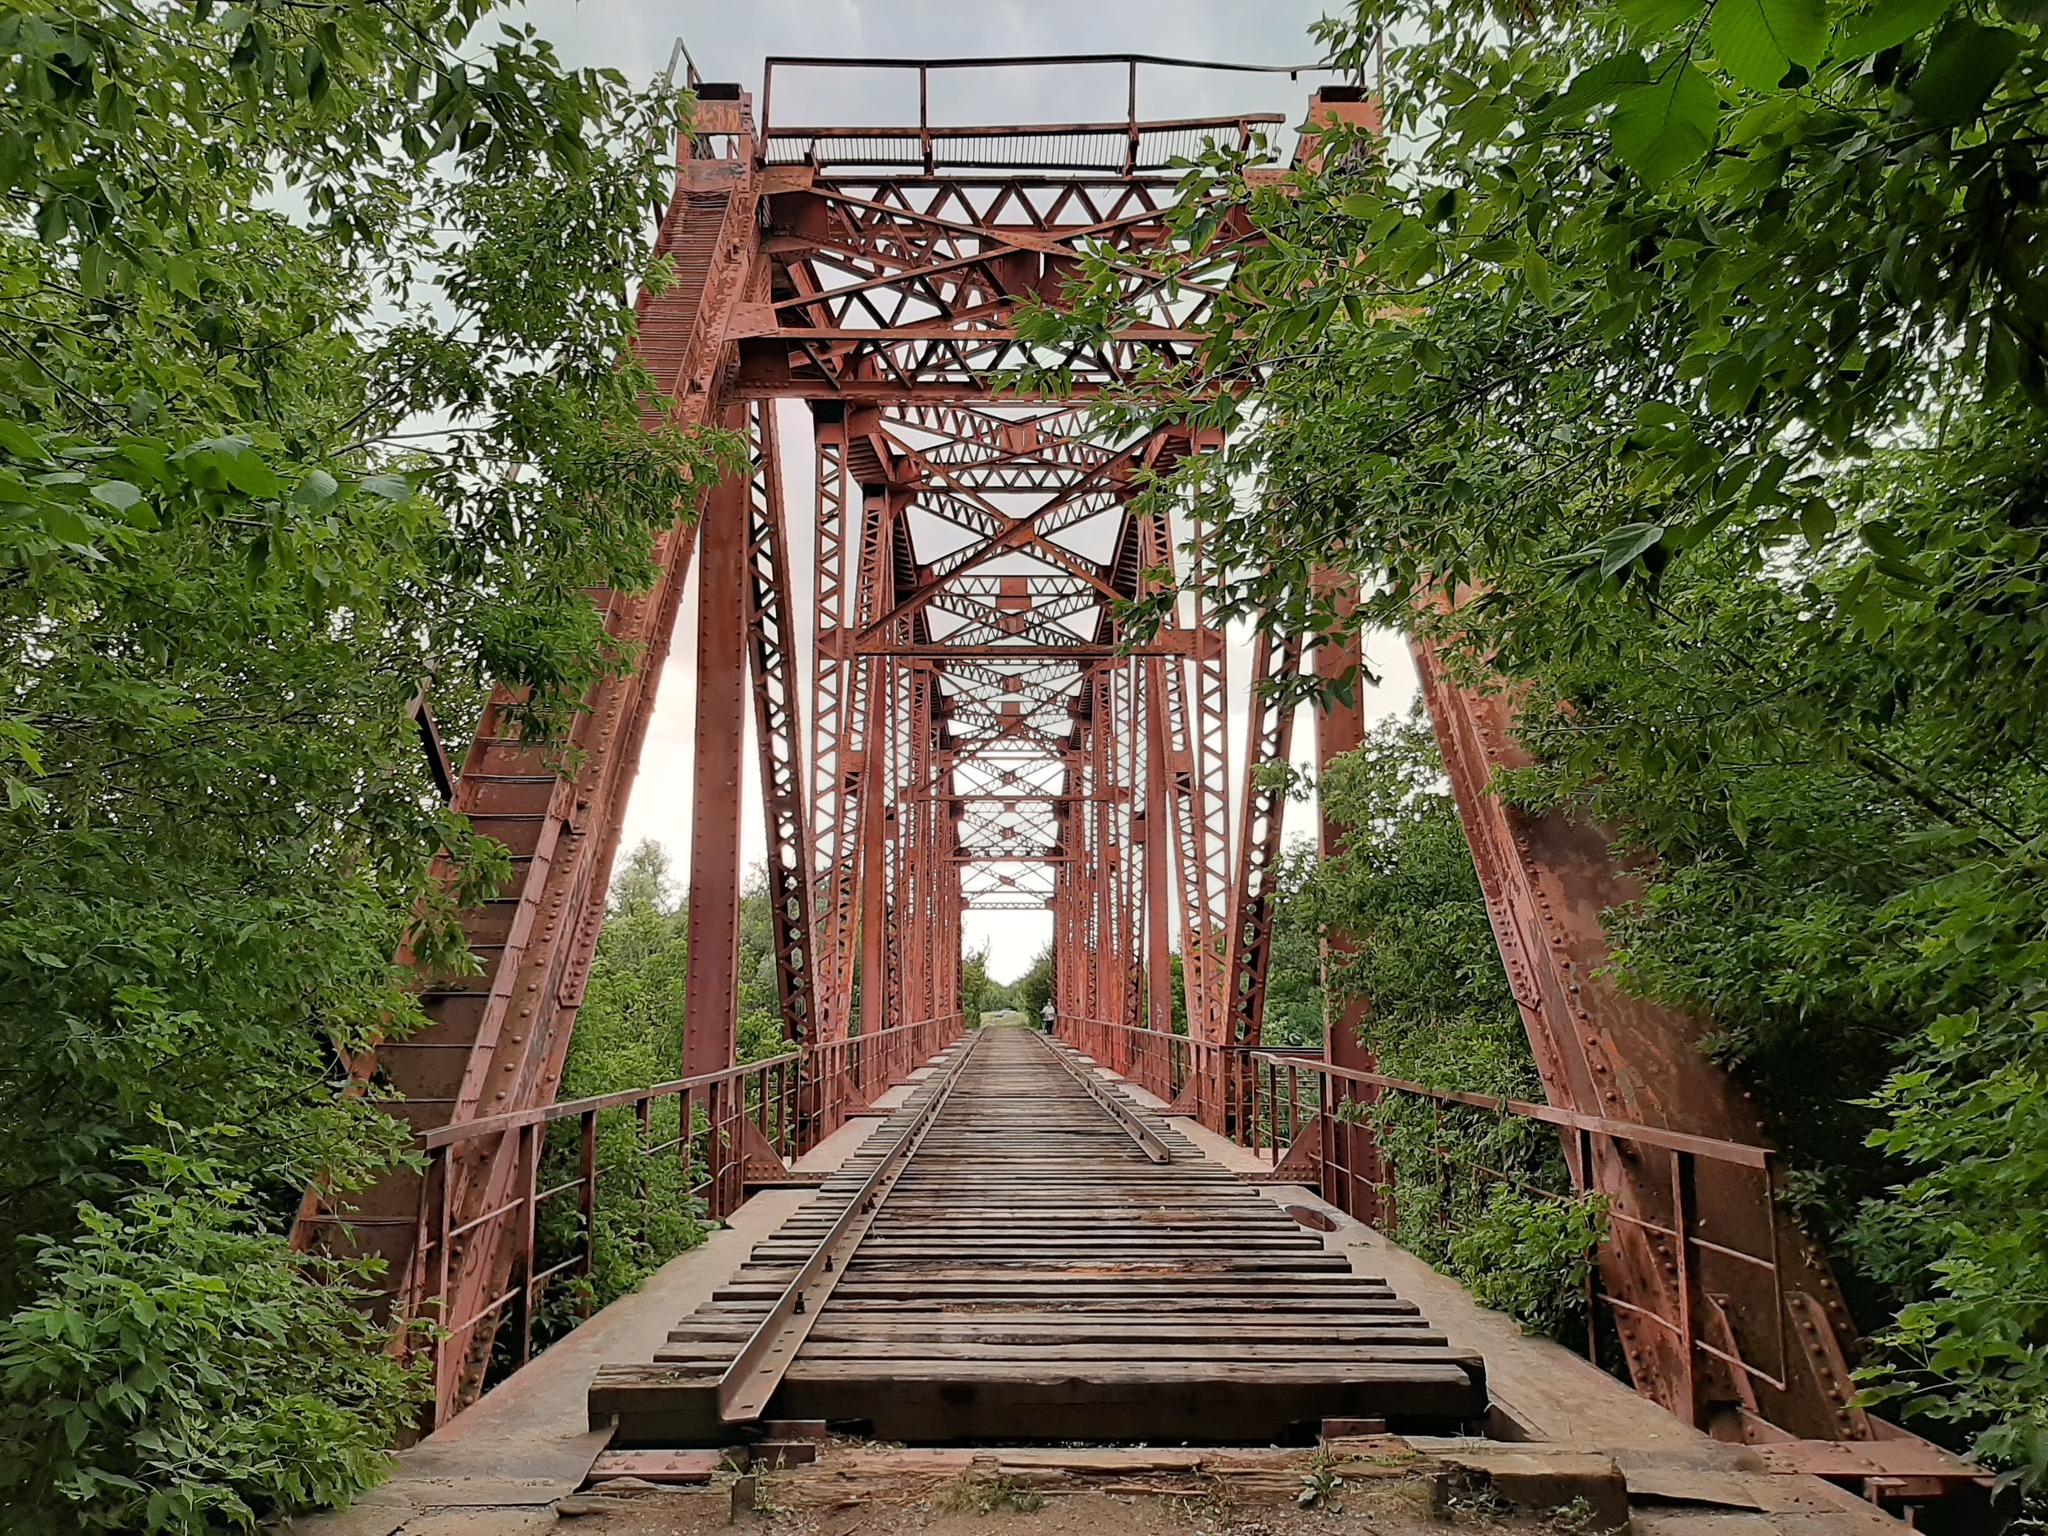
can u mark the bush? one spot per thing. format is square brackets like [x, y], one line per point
[184, 1371]
[1531, 1257]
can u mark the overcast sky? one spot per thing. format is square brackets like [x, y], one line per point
[731, 41]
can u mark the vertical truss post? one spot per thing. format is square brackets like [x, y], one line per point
[837, 570]
[1072, 959]
[1196, 775]
[871, 869]
[852, 566]
[712, 967]
[1158, 882]
[1260, 822]
[1130, 856]
[1353, 1174]
[778, 725]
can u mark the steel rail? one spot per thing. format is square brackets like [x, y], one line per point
[757, 1370]
[1147, 1139]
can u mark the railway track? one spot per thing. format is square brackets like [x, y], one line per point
[1013, 1258]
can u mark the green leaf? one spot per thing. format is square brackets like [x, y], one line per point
[1886, 540]
[392, 488]
[1654, 18]
[92, 271]
[1887, 24]
[21, 442]
[1963, 68]
[247, 473]
[183, 276]
[1598, 84]
[1667, 126]
[1537, 273]
[1627, 544]
[1758, 41]
[318, 488]
[118, 494]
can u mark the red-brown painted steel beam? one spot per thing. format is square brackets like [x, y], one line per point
[779, 729]
[1352, 1173]
[1262, 810]
[1548, 879]
[496, 1041]
[712, 963]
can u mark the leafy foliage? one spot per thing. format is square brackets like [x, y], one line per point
[629, 1034]
[1294, 974]
[1484, 1197]
[181, 1370]
[1034, 989]
[977, 992]
[287, 292]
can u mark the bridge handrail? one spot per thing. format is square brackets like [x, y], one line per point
[1743, 1154]
[1257, 1097]
[733, 1127]
[565, 1109]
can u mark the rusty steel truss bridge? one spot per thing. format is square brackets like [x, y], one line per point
[975, 729]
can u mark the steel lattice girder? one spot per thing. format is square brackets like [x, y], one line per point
[972, 545]
[1548, 879]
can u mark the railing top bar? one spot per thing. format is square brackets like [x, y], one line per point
[1019, 130]
[491, 1125]
[1737, 1152]
[824, 61]
[879, 1034]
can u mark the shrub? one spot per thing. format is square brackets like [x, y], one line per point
[184, 1371]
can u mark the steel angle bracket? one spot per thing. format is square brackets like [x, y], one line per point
[1147, 1139]
[757, 1370]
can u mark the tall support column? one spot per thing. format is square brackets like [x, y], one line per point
[1158, 878]
[1260, 823]
[871, 869]
[1353, 1174]
[711, 976]
[1109, 947]
[779, 729]
[836, 571]
[1131, 863]
[851, 568]
[1197, 773]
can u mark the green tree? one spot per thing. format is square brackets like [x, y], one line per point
[643, 883]
[1034, 989]
[1439, 1012]
[314, 393]
[975, 987]
[1294, 974]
